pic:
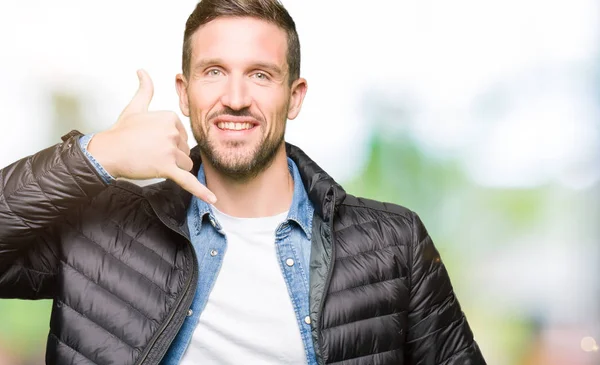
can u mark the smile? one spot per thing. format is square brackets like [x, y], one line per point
[233, 126]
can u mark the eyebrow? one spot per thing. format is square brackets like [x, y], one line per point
[271, 67]
[268, 66]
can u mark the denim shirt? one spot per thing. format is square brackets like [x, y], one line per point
[84, 141]
[292, 240]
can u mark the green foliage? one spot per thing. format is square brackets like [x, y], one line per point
[24, 325]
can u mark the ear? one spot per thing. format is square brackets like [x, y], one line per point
[298, 91]
[181, 85]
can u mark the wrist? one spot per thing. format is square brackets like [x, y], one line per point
[100, 148]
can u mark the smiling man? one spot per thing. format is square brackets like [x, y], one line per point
[247, 253]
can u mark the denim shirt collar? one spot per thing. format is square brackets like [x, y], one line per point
[301, 209]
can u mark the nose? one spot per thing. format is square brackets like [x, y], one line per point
[236, 94]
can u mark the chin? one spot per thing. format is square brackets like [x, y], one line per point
[235, 153]
[234, 156]
[235, 162]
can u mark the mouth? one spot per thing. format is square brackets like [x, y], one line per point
[235, 124]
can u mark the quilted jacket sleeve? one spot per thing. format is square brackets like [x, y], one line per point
[35, 192]
[438, 331]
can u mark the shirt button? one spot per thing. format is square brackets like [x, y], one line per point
[214, 252]
[289, 262]
[307, 319]
[190, 312]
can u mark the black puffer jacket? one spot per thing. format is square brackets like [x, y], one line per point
[117, 262]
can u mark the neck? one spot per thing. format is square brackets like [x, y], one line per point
[267, 194]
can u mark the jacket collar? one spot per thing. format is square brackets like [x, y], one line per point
[170, 202]
[325, 194]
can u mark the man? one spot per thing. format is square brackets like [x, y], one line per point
[284, 268]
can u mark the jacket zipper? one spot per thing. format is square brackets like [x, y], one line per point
[165, 325]
[327, 281]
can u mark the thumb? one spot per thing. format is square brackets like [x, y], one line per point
[142, 98]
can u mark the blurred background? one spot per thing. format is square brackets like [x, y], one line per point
[481, 116]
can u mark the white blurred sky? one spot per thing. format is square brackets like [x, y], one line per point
[533, 58]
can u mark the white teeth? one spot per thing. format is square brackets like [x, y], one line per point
[234, 126]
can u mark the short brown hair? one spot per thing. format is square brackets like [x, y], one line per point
[269, 10]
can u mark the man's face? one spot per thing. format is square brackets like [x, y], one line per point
[238, 95]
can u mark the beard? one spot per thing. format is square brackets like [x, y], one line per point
[232, 159]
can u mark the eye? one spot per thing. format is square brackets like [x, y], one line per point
[261, 76]
[213, 72]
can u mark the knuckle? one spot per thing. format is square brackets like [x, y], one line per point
[170, 133]
[173, 117]
[160, 172]
[173, 135]
[169, 155]
[173, 151]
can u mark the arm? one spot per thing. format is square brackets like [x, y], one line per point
[438, 332]
[35, 192]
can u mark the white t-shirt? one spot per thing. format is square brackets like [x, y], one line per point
[249, 317]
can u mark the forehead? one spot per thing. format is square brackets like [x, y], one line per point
[239, 40]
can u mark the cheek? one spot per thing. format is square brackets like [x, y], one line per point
[282, 113]
[274, 106]
[202, 101]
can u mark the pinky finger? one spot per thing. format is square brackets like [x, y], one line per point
[190, 183]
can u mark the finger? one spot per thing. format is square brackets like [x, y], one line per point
[183, 137]
[184, 147]
[183, 161]
[142, 98]
[190, 183]
[181, 129]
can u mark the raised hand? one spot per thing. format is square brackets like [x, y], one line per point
[146, 144]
